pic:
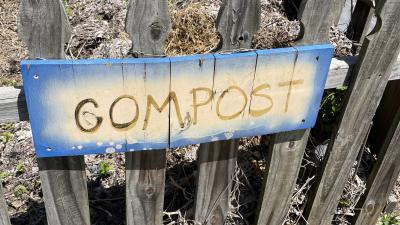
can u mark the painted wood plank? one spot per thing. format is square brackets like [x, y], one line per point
[13, 105]
[316, 18]
[149, 84]
[4, 220]
[370, 76]
[198, 91]
[382, 179]
[157, 88]
[148, 24]
[286, 83]
[103, 106]
[44, 27]
[99, 107]
[233, 84]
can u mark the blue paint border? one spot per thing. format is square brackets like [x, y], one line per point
[325, 52]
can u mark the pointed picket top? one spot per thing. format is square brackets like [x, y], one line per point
[237, 22]
[43, 25]
[148, 23]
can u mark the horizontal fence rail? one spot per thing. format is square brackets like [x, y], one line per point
[13, 106]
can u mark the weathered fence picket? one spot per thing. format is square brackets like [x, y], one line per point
[4, 220]
[148, 24]
[382, 179]
[360, 20]
[45, 29]
[370, 77]
[287, 149]
[282, 168]
[237, 21]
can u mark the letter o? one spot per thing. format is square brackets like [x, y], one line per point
[130, 123]
[229, 117]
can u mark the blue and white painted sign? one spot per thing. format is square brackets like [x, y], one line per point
[81, 107]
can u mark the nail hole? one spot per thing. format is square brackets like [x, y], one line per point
[317, 58]
[48, 149]
[35, 76]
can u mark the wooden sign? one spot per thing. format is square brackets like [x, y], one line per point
[81, 107]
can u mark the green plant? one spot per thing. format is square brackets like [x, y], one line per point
[344, 203]
[8, 81]
[389, 219]
[7, 126]
[20, 168]
[171, 2]
[331, 107]
[20, 190]
[6, 136]
[105, 168]
[332, 103]
[99, 17]
[4, 176]
[69, 11]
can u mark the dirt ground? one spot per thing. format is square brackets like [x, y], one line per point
[98, 33]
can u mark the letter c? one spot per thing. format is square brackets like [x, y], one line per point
[78, 110]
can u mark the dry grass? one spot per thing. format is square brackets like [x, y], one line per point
[12, 50]
[276, 30]
[193, 31]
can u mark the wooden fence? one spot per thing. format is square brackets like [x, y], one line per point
[45, 29]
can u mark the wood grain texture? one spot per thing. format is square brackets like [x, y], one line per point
[277, 190]
[64, 190]
[316, 17]
[44, 27]
[148, 24]
[369, 79]
[217, 161]
[338, 7]
[145, 180]
[12, 105]
[237, 21]
[4, 219]
[382, 179]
